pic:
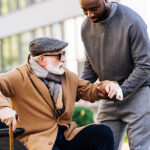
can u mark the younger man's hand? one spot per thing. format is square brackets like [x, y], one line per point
[108, 89]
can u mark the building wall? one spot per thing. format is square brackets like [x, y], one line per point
[38, 15]
[54, 18]
[21, 21]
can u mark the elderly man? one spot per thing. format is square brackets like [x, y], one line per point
[43, 93]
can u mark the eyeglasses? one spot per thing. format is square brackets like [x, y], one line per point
[58, 55]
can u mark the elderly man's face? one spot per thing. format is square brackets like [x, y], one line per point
[54, 62]
[95, 10]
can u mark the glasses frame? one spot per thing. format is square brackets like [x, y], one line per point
[58, 55]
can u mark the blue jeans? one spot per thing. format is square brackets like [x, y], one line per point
[93, 137]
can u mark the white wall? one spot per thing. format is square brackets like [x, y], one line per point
[38, 15]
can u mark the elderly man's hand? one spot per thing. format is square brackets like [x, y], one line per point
[108, 89]
[8, 116]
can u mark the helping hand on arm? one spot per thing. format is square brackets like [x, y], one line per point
[108, 89]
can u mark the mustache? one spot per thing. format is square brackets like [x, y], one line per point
[94, 17]
[60, 64]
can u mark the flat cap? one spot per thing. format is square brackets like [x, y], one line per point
[45, 44]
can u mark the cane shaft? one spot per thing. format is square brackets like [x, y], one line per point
[11, 142]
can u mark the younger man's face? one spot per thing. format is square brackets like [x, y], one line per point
[95, 10]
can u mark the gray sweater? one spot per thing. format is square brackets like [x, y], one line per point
[118, 49]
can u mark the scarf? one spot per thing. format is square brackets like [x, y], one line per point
[52, 81]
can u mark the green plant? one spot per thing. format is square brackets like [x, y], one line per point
[82, 116]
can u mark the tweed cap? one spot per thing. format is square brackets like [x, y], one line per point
[45, 44]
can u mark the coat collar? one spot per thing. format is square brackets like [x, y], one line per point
[41, 87]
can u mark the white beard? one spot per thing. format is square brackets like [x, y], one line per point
[54, 69]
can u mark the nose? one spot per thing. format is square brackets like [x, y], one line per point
[90, 14]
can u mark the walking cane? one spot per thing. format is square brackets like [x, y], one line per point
[11, 141]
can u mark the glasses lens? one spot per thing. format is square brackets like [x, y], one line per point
[63, 53]
[60, 55]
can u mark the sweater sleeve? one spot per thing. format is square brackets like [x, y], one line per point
[140, 51]
[88, 72]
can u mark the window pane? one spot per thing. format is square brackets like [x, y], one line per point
[80, 48]
[21, 3]
[70, 36]
[14, 51]
[4, 7]
[25, 39]
[6, 53]
[57, 31]
[12, 5]
[38, 32]
[10, 52]
[47, 31]
[0, 7]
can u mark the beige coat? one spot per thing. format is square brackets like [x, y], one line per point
[32, 102]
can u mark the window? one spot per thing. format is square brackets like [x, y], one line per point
[47, 31]
[0, 7]
[10, 53]
[21, 3]
[6, 53]
[38, 32]
[12, 5]
[57, 31]
[80, 48]
[14, 51]
[70, 37]
[24, 40]
[4, 7]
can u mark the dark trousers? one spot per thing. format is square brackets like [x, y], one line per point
[94, 137]
[2, 125]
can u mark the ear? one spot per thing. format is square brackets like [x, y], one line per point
[42, 61]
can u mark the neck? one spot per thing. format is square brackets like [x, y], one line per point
[108, 9]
